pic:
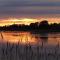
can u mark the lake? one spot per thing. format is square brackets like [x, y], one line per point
[30, 38]
[29, 46]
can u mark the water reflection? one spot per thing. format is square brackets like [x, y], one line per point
[29, 38]
[44, 37]
[20, 37]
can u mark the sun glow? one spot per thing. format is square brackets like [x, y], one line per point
[25, 21]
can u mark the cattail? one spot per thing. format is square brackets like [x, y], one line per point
[2, 35]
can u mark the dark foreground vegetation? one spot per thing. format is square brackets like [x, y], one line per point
[27, 52]
[43, 26]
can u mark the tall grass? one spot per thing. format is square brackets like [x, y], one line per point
[18, 51]
[29, 52]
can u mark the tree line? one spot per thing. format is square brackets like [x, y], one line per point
[42, 26]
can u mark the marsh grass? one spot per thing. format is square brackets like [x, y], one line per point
[9, 51]
[29, 52]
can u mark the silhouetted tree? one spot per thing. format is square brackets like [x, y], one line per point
[43, 25]
[34, 26]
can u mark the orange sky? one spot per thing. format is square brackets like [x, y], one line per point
[27, 21]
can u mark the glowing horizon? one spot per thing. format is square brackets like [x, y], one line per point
[27, 21]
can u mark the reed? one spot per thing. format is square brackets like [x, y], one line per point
[28, 52]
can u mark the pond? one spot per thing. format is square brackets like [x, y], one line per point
[30, 38]
[29, 46]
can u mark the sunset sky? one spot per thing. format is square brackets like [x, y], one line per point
[27, 11]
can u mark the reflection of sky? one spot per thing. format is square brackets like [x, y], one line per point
[27, 37]
[22, 38]
[16, 8]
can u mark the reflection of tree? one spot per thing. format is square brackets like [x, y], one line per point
[44, 38]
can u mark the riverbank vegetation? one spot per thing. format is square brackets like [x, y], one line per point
[42, 26]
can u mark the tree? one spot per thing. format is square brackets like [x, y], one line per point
[43, 25]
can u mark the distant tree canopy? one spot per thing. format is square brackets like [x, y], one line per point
[42, 26]
[44, 22]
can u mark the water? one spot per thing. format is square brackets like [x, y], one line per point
[30, 38]
[29, 46]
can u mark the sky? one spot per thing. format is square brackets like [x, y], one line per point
[17, 8]
[29, 9]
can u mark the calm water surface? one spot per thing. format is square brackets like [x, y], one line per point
[30, 38]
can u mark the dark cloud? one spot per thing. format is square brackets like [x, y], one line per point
[27, 3]
[28, 7]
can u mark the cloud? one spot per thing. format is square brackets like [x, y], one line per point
[28, 7]
[29, 3]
